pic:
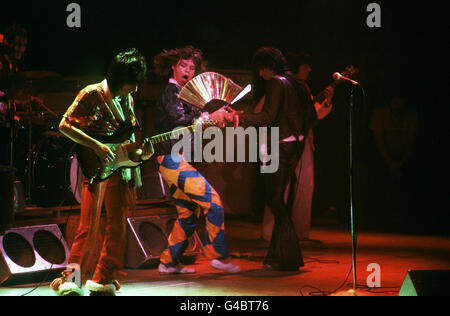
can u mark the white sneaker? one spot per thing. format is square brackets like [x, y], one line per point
[229, 267]
[69, 289]
[179, 269]
[64, 288]
[100, 289]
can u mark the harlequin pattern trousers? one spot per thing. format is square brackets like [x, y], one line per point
[193, 195]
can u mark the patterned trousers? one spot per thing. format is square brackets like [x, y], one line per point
[193, 195]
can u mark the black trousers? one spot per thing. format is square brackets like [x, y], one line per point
[284, 251]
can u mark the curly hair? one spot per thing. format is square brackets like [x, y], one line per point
[164, 61]
[127, 67]
[270, 58]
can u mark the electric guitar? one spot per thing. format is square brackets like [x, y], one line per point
[128, 155]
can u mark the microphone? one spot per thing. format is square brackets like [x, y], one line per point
[338, 76]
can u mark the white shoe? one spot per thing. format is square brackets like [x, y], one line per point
[229, 267]
[69, 289]
[97, 289]
[179, 269]
[64, 288]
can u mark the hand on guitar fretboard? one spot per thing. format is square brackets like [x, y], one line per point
[147, 150]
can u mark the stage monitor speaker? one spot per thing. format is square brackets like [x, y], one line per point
[426, 283]
[147, 238]
[153, 187]
[32, 254]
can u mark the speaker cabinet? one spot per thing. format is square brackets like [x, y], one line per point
[426, 283]
[147, 238]
[32, 254]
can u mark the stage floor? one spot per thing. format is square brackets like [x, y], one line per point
[327, 259]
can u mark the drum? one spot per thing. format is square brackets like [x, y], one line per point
[38, 120]
[56, 177]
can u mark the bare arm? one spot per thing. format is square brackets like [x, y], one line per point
[80, 137]
[323, 109]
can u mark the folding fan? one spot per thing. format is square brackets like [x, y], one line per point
[209, 91]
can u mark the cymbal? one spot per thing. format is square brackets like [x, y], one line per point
[27, 83]
[53, 133]
[28, 114]
[37, 75]
[35, 103]
[39, 118]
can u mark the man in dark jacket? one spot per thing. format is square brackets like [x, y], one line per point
[282, 108]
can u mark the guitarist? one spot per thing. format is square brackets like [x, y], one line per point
[98, 113]
[192, 193]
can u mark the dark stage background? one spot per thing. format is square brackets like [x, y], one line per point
[406, 55]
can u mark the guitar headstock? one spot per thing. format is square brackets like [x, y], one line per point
[350, 71]
[210, 123]
[204, 122]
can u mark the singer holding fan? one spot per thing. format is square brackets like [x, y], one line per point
[101, 113]
[192, 193]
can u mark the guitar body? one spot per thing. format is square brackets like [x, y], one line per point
[97, 170]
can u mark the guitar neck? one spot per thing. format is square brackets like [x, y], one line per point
[322, 95]
[169, 135]
[177, 133]
[349, 71]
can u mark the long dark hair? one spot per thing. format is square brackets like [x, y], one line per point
[127, 67]
[272, 58]
[296, 59]
[164, 61]
[267, 58]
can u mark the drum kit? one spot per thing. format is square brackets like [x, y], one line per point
[44, 158]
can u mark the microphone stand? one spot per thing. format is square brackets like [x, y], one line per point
[351, 169]
[12, 133]
[30, 154]
[352, 214]
[352, 209]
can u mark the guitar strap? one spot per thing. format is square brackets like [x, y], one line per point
[122, 108]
